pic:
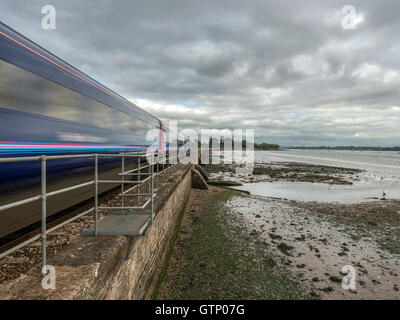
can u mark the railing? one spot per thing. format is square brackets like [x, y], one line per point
[138, 172]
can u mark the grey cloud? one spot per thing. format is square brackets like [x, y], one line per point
[285, 68]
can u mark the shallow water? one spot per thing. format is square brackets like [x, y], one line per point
[383, 161]
[307, 191]
[382, 174]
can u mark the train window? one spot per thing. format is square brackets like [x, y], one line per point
[22, 90]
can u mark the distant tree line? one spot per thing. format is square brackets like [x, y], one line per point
[265, 146]
[245, 143]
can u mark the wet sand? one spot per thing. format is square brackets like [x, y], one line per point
[316, 239]
[236, 245]
[316, 249]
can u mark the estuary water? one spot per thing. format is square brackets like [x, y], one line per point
[383, 161]
[381, 175]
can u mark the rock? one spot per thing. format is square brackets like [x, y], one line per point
[301, 238]
[201, 171]
[275, 236]
[335, 279]
[313, 294]
[198, 181]
[224, 183]
[15, 260]
[285, 248]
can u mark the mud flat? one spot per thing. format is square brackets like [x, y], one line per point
[286, 171]
[234, 245]
[316, 245]
[360, 227]
[217, 257]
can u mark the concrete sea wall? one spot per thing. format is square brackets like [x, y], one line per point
[111, 267]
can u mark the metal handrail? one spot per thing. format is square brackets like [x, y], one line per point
[44, 194]
[50, 194]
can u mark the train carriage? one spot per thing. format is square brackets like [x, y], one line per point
[48, 107]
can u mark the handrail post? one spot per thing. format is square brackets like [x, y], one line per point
[165, 167]
[96, 192]
[151, 193]
[123, 179]
[138, 179]
[150, 164]
[157, 174]
[44, 214]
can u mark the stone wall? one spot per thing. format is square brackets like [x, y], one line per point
[111, 267]
[139, 273]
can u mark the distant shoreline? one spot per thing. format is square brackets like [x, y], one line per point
[347, 148]
[271, 149]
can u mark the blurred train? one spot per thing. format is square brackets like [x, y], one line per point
[48, 107]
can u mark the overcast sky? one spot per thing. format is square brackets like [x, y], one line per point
[287, 69]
